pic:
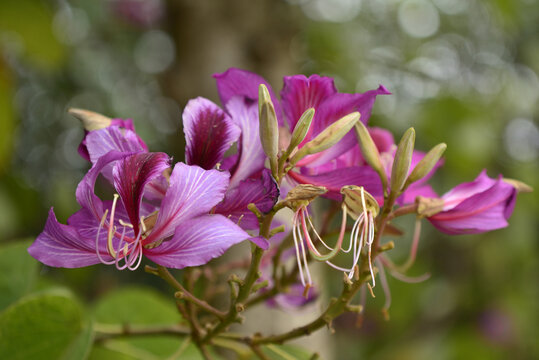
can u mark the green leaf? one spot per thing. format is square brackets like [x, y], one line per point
[7, 125]
[136, 305]
[30, 21]
[46, 326]
[286, 352]
[146, 348]
[17, 272]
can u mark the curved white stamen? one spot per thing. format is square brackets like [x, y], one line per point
[316, 233]
[139, 254]
[101, 224]
[304, 252]
[295, 227]
[295, 232]
[136, 250]
[112, 229]
[121, 248]
[310, 243]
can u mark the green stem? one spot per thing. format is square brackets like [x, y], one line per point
[105, 331]
[247, 284]
[183, 293]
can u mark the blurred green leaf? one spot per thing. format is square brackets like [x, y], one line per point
[136, 305]
[30, 22]
[47, 326]
[17, 272]
[286, 352]
[7, 125]
[146, 348]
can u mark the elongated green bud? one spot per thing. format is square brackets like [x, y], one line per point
[90, 120]
[301, 129]
[403, 159]
[370, 152]
[426, 164]
[269, 127]
[329, 137]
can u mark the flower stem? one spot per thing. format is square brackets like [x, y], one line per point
[182, 293]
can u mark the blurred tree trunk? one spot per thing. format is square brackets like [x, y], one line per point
[212, 36]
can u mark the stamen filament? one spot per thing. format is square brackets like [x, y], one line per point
[112, 229]
[101, 224]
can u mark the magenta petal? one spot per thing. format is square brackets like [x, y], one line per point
[383, 139]
[335, 180]
[483, 210]
[197, 241]
[251, 155]
[334, 108]
[209, 132]
[85, 190]
[466, 190]
[130, 177]
[193, 191]
[112, 138]
[341, 104]
[300, 93]
[237, 82]
[61, 246]
[262, 191]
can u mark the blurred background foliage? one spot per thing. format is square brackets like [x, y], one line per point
[464, 72]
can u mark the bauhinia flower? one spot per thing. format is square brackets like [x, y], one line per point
[209, 133]
[298, 95]
[177, 233]
[481, 205]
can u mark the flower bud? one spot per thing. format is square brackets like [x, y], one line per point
[269, 126]
[519, 185]
[357, 200]
[426, 164]
[403, 159]
[90, 120]
[303, 194]
[328, 137]
[301, 129]
[370, 152]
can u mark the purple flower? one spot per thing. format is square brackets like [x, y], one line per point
[481, 205]
[177, 233]
[298, 94]
[209, 133]
[99, 142]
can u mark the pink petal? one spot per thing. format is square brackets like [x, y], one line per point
[251, 155]
[61, 246]
[300, 93]
[209, 132]
[262, 191]
[112, 138]
[131, 176]
[197, 241]
[335, 180]
[192, 192]
[237, 82]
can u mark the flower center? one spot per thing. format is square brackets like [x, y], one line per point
[119, 246]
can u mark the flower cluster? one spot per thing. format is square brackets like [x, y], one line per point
[247, 160]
